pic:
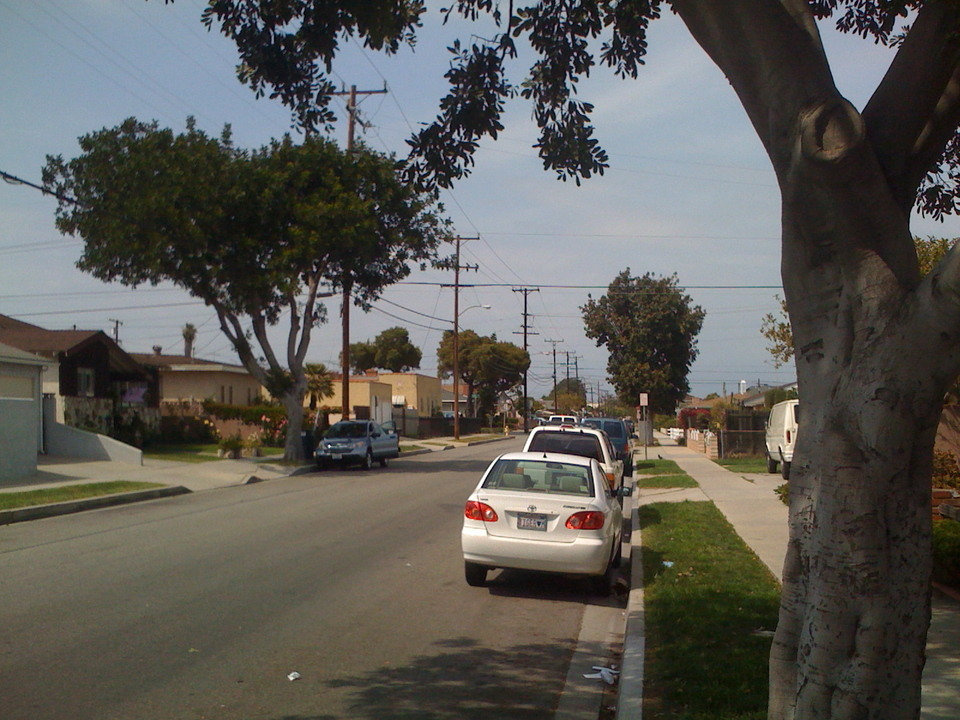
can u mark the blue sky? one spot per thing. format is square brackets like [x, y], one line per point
[689, 190]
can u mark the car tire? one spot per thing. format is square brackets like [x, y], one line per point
[785, 470]
[771, 465]
[367, 462]
[475, 575]
[383, 462]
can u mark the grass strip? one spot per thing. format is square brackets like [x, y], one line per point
[744, 464]
[48, 496]
[706, 596]
[193, 453]
[657, 467]
[666, 481]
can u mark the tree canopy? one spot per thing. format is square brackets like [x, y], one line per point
[649, 327]
[487, 366]
[254, 234]
[390, 350]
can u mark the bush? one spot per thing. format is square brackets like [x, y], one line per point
[946, 473]
[175, 429]
[946, 552]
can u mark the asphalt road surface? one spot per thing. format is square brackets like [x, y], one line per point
[200, 606]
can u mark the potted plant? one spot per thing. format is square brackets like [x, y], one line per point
[231, 446]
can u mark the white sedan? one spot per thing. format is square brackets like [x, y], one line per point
[543, 511]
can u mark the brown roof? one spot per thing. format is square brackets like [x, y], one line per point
[51, 343]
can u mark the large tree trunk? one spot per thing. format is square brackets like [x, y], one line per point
[293, 404]
[873, 360]
[875, 346]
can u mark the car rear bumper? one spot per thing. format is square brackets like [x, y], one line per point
[584, 556]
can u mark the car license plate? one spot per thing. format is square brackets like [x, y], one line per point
[531, 521]
[336, 456]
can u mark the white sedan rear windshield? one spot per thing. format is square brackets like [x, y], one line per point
[540, 476]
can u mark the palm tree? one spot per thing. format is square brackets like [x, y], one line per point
[319, 382]
[189, 335]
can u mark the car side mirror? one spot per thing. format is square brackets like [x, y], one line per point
[625, 491]
[634, 436]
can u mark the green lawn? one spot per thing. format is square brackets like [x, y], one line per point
[744, 464]
[709, 606]
[657, 467]
[196, 452]
[26, 498]
[659, 474]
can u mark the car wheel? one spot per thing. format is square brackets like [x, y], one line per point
[383, 462]
[321, 464]
[476, 575]
[367, 461]
[785, 470]
[771, 465]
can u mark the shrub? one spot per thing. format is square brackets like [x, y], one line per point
[946, 473]
[946, 552]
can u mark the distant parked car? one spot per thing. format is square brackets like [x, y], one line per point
[357, 442]
[620, 435]
[781, 436]
[544, 512]
[562, 420]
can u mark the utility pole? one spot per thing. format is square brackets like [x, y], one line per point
[526, 331]
[457, 267]
[347, 285]
[116, 330]
[554, 343]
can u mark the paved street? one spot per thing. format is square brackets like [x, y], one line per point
[200, 606]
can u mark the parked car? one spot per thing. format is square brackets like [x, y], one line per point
[620, 436]
[781, 436]
[562, 420]
[544, 512]
[578, 440]
[358, 441]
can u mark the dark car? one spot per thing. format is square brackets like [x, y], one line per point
[358, 441]
[619, 435]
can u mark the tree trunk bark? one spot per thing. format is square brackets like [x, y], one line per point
[293, 404]
[870, 358]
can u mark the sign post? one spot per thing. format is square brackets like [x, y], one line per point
[644, 401]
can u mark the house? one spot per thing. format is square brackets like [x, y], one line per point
[95, 384]
[21, 412]
[185, 381]
[447, 398]
[415, 392]
[370, 398]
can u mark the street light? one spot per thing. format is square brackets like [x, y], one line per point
[456, 360]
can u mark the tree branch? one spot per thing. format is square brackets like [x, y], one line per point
[773, 57]
[916, 108]
[230, 325]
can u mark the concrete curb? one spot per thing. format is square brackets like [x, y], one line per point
[36, 512]
[630, 692]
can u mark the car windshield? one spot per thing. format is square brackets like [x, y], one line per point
[347, 430]
[568, 443]
[540, 476]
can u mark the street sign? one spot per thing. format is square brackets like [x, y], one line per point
[643, 400]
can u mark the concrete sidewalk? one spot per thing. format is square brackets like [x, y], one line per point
[760, 518]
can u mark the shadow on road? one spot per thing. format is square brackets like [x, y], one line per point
[463, 680]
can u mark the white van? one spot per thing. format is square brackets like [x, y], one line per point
[782, 436]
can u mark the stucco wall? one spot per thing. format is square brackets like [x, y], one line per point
[223, 387]
[420, 392]
[20, 428]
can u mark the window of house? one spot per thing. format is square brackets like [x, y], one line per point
[85, 382]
